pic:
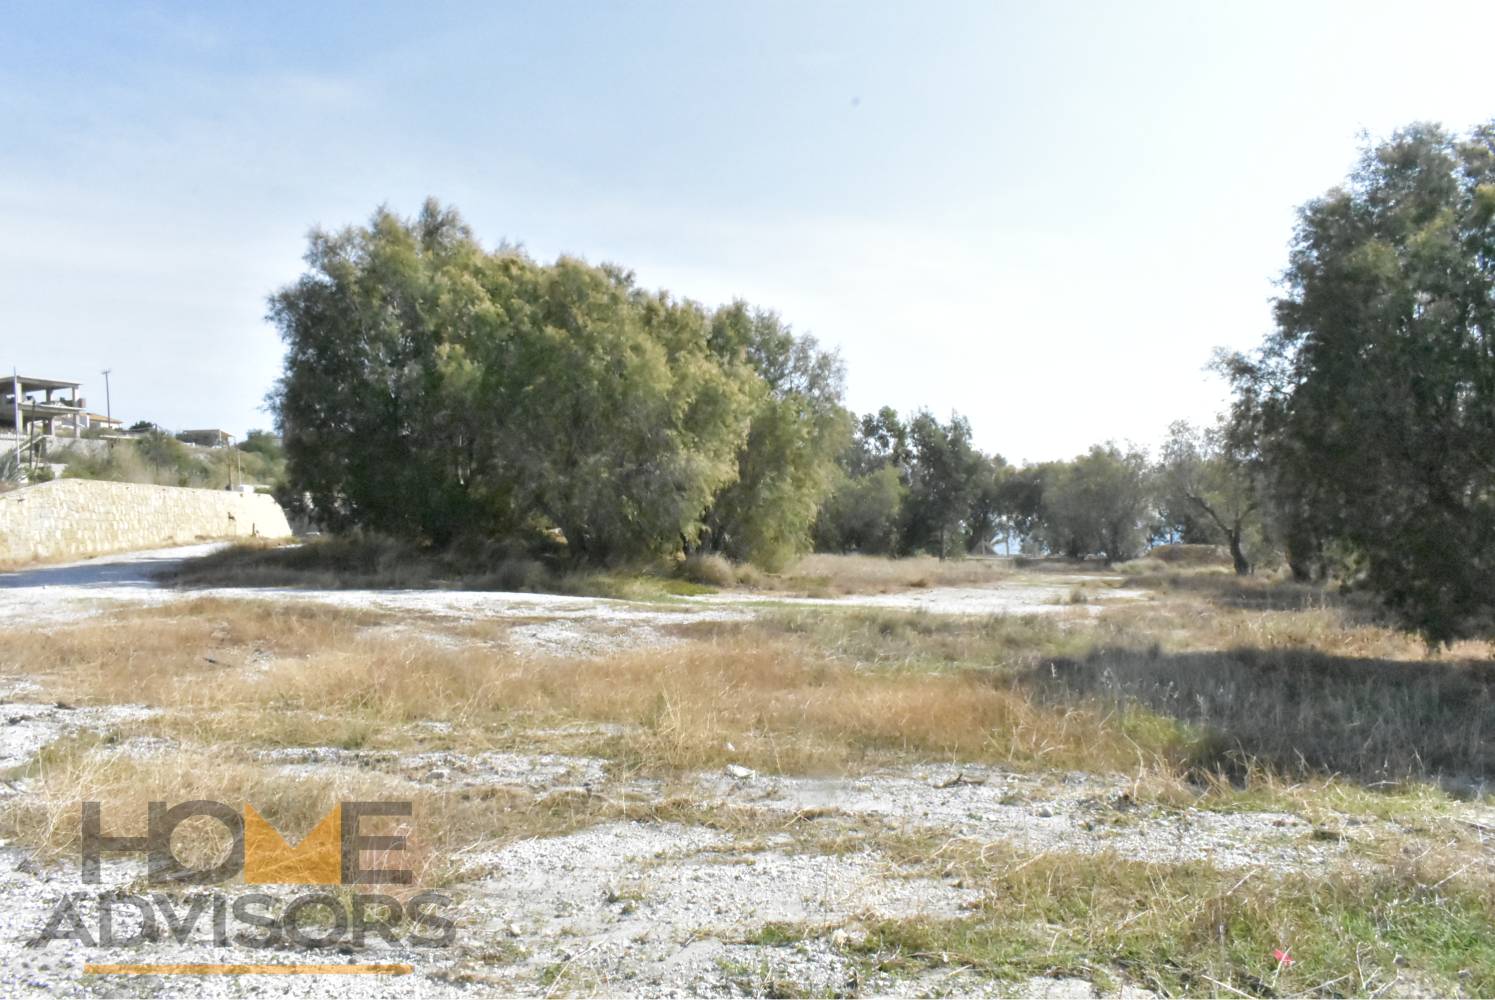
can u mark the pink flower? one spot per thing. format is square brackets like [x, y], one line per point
[1282, 956]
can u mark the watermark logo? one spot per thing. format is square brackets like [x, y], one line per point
[339, 851]
[330, 854]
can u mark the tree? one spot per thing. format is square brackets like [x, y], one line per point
[862, 513]
[434, 390]
[787, 466]
[1020, 500]
[1097, 504]
[986, 518]
[864, 510]
[614, 419]
[882, 439]
[167, 457]
[263, 443]
[943, 479]
[377, 430]
[1206, 490]
[1374, 397]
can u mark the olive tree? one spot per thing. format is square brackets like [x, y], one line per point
[1373, 400]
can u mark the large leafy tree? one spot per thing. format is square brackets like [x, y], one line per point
[944, 477]
[1097, 504]
[787, 466]
[433, 390]
[613, 420]
[1374, 398]
[863, 513]
[373, 430]
[1020, 501]
[864, 510]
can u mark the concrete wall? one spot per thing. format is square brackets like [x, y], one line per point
[73, 518]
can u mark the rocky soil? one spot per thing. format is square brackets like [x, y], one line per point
[625, 902]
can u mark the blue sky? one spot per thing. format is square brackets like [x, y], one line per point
[1044, 216]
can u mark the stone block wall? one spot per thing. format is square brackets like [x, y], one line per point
[74, 518]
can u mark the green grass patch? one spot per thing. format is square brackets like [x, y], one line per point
[1195, 929]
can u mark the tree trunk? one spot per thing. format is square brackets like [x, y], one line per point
[1301, 560]
[1242, 564]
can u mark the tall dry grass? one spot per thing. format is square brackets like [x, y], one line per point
[1178, 683]
[749, 698]
[824, 573]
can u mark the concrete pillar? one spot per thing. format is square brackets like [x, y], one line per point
[15, 384]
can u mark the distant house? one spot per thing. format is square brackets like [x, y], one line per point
[210, 437]
[30, 405]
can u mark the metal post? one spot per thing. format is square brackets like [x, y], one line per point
[108, 403]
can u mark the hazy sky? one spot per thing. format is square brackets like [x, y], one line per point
[1043, 216]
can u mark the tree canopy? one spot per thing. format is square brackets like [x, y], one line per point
[1373, 400]
[434, 389]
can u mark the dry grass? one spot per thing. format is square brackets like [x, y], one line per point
[1224, 612]
[126, 656]
[712, 570]
[385, 564]
[781, 703]
[1190, 555]
[823, 574]
[920, 641]
[1159, 686]
[1234, 675]
[1264, 684]
[443, 828]
[1219, 692]
[73, 772]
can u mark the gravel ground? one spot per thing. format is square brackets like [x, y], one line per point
[445, 769]
[572, 624]
[27, 727]
[1077, 813]
[1005, 597]
[622, 907]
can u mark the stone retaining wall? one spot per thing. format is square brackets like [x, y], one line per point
[74, 518]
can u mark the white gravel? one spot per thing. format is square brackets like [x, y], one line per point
[25, 728]
[1074, 813]
[661, 909]
[629, 908]
[448, 769]
[572, 624]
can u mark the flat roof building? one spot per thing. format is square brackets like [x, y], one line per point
[54, 403]
[208, 437]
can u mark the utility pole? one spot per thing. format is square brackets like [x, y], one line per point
[108, 403]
